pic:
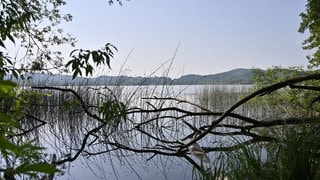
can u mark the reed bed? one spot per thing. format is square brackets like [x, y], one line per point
[294, 155]
[67, 124]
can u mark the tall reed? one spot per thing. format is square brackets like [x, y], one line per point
[294, 154]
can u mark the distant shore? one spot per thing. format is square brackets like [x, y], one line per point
[235, 76]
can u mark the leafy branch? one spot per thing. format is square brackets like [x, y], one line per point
[81, 59]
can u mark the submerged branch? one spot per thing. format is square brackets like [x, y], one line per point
[82, 147]
[42, 123]
[75, 94]
[290, 120]
[191, 113]
[181, 101]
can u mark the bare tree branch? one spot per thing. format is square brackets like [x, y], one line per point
[259, 92]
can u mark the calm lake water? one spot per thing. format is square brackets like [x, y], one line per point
[130, 166]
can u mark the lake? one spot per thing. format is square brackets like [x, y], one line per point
[66, 128]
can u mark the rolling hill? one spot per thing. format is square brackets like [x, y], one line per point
[235, 76]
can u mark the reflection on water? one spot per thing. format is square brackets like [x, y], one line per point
[157, 169]
[102, 157]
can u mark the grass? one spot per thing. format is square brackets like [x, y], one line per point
[294, 155]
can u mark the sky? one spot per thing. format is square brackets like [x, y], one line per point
[190, 37]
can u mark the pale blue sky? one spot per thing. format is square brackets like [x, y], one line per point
[215, 35]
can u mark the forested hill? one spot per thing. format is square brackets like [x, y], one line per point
[236, 76]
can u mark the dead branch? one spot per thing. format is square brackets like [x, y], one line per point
[260, 92]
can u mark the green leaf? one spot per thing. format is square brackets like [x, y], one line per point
[95, 56]
[6, 120]
[11, 38]
[39, 167]
[2, 44]
[6, 86]
[87, 56]
[74, 75]
[15, 74]
[6, 146]
[89, 70]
